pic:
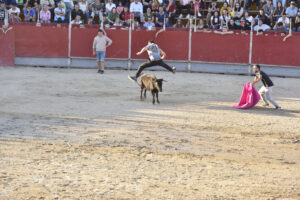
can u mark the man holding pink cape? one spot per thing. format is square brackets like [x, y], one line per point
[250, 97]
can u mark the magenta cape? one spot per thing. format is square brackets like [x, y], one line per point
[250, 97]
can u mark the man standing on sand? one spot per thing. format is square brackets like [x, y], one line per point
[101, 42]
[266, 90]
[156, 56]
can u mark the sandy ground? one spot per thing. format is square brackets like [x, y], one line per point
[76, 134]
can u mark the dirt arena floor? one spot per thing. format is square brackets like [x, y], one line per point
[76, 134]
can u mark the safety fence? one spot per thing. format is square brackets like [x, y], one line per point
[64, 41]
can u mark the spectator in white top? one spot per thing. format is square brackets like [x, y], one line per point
[285, 21]
[109, 6]
[136, 8]
[77, 20]
[14, 10]
[84, 6]
[260, 27]
[59, 13]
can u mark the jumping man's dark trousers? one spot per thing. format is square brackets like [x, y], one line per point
[151, 64]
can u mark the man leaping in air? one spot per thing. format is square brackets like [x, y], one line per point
[156, 56]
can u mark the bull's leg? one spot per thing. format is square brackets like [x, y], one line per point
[145, 94]
[157, 97]
[142, 88]
[153, 95]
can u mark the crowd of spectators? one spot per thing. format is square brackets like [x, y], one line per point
[229, 14]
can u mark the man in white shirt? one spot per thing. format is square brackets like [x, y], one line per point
[136, 8]
[14, 9]
[60, 13]
[109, 6]
[285, 21]
[260, 27]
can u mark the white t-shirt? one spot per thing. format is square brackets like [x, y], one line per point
[286, 21]
[17, 10]
[249, 18]
[136, 7]
[263, 27]
[109, 7]
[83, 6]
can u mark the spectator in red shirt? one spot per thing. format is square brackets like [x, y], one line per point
[125, 16]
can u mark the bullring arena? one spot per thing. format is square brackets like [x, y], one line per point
[71, 133]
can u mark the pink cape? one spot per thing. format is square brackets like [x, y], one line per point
[250, 97]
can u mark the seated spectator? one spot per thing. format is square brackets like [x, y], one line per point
[113, 15]
[155, 6]
[120, 8]
[136, 9]
[225, 18]
[14, 9]
[284, 20]
[76, 11]
[262, 16]
[212, 8]
[45, 15]
[160, 17]
[167, 23]
[269, 8]
[96, 8]
[179, 24]
[118, 22]
[49, 3]
[278, 11]
[280, 28]
[241, 2]
[106, 22]
[68, 8]
[29, 14]
[215, 21]
[77, 20]
[225, 6]
[246, 21]
[59, 14]
[224, 31]
[2, 11]
[148, 14]
[91, 20]
[292, 11]
[232, 25]
[84, 6]
[251, 2]
[261, 27]
[238, 12]
[149, 24]
[184, 4]
[297, 23]
[275, 3]
[13, 18]
[197, 8]
[125, 16]
[109, 6]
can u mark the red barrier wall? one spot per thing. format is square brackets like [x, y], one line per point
[32, 41]
[271, 50]
[211, 47]
[174, 43]
[7, 48]
[50, 41]
[82, 42]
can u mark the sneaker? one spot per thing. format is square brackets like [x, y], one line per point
[133, 78]
[199, 14]
[99, 71]
[102, 72]
[174, 70]
[277, 107]
[180, 16]
[187, 16]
